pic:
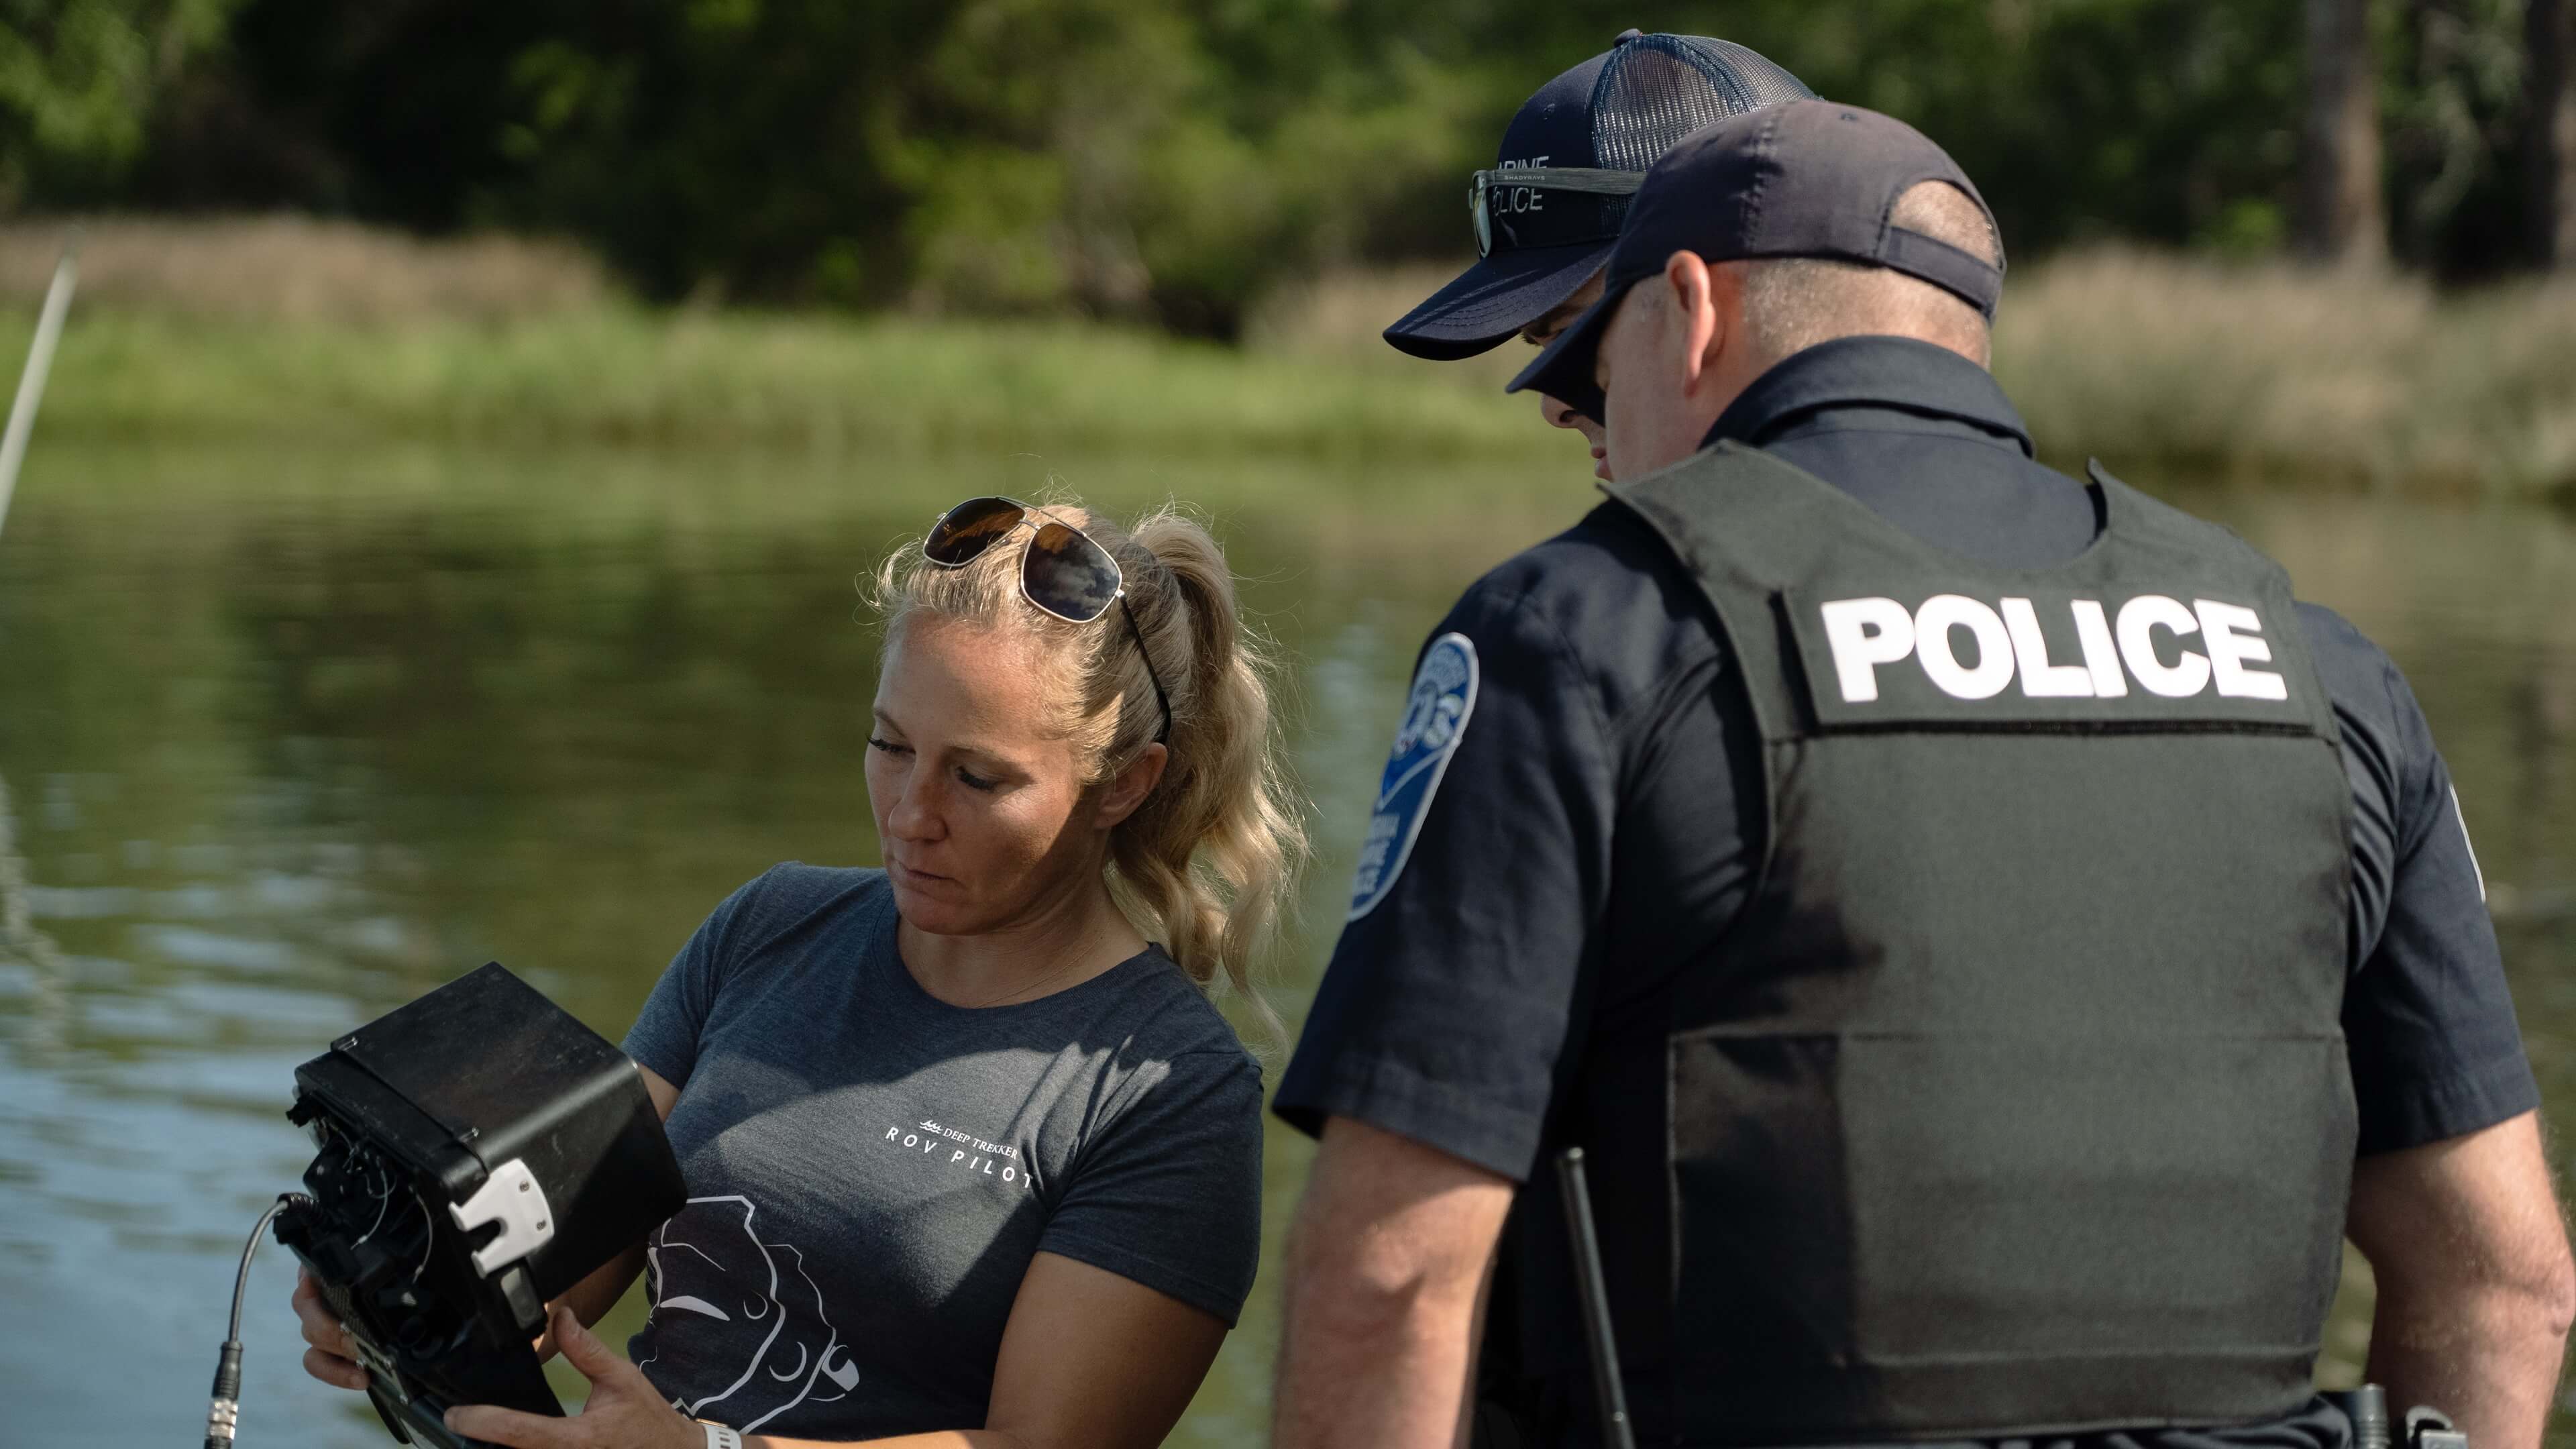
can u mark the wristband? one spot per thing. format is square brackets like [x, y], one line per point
[720, 1437]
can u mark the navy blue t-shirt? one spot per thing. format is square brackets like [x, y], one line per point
[1592, 817]
[871, 1169]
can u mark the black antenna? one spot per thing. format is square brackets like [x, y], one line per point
[1597, 1336]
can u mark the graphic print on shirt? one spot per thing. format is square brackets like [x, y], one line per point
[960, 1151]
[756, 1301]
[1435, 720]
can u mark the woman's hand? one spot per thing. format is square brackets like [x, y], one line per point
[625, 1410]
[332, 1358]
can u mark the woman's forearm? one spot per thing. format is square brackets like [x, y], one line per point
[942, 1439]
[598, 1293]
[592, 1297]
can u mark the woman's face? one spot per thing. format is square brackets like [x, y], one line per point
[980, 808]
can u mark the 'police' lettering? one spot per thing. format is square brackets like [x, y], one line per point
[1993, 670]
[2101, 656]
[2234, 635]
[1866, 633]
[2187, 675]
[2009, 644]
[2039, 678]
[1517, 198]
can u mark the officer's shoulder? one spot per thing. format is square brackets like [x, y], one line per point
[1606, 570]
[2358, 675]
[1604, 602]
[2185, 529]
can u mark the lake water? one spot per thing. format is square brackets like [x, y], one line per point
[288, 741]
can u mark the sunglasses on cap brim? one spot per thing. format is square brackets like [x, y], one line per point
[1511, 189]
[1063, 571]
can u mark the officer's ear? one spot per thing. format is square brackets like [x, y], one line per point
[1705, 302]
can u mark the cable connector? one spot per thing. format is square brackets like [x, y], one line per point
[223, 1415]
[223, 1412]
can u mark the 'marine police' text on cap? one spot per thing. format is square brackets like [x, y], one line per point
[2008, 644]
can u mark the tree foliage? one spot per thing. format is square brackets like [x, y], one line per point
[1164, 159]
[78, 79]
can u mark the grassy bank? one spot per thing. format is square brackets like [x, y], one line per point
[300, 268]
[2278, 371]
[620, 375]
[2169, 366]
[2160, 365]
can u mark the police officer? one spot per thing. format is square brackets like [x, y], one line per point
[1991, 943]
[1546, 215]
[1548, 210]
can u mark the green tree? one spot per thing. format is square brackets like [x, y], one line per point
[2550, 27]
[78, 78]
[1167, 160]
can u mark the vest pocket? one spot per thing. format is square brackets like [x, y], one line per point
[1882, 1232]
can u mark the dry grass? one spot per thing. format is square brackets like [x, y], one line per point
[2159, 364]
[2166, 363]
[299, 269]
[1337, 318]
[2273, 369]
[824, 385]
[288, 327]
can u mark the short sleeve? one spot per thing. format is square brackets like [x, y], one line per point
[2436, 1051]
[1450, 996]
[1169, 1193]
[664, 1038]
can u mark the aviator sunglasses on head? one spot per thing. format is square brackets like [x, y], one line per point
[1063, 571]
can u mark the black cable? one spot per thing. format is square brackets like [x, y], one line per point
[225, 1410]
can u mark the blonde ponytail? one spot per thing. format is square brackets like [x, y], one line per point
[1211, 854]
[1207, 864]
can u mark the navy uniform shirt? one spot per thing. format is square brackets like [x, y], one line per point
[1592, 815]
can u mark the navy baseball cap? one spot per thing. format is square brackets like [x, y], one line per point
[1579, 147]
[1806, 179]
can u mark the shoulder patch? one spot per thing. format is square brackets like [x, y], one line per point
[1435, 720]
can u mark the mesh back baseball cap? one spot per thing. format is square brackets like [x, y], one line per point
[1548, 211]
[1805, 179]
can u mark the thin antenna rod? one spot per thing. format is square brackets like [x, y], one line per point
[31, 383]
[1610, 1397]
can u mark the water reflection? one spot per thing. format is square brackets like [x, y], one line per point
[288, 741]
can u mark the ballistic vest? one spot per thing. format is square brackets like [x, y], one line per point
[2015, 1102]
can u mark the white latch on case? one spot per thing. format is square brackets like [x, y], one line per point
[510, 1197]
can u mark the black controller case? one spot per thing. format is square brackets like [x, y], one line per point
[481, 1152]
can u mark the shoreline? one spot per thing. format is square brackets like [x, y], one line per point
[2167, 367]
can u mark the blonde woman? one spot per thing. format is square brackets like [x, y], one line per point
[971, 1158]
